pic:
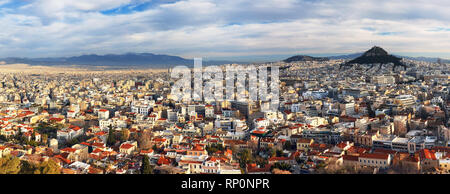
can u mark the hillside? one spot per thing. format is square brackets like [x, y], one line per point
[304, 58]
[376, 55]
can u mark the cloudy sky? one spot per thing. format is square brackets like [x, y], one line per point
[223, 29]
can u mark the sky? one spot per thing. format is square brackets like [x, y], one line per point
[223, 29]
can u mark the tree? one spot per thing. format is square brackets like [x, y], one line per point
[125, 135]
[9, 165]
[245, 157]
[287, 145]
[423, 114]
[44, 138]
[281, 166]
[111, 139]
[214, 148]
[261, 161]
[370, 110]
[155, 148]
[273, 152]
[146, 168]
[144, 140]
[26, 168]
[49, 167]
[279, 153]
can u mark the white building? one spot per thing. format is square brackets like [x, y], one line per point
[103, 114]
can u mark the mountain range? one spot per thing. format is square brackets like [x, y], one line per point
[143, 60]
[113, 60]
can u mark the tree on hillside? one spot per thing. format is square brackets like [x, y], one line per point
[49, 167]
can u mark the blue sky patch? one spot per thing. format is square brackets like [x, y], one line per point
[136, 7]
[14, 4]
[388, 33]
[439, 29]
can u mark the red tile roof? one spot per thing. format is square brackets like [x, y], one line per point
[375, 156]
[126, 146]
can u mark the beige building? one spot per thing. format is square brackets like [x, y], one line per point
[304, 144]
[375, 160]
[444, 165]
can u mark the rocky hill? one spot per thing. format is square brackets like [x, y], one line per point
[376, 55]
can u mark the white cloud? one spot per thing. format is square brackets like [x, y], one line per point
[2, 2]
[225, 28]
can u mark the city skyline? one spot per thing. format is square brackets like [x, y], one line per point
[237, 30]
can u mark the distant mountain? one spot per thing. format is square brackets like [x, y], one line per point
[125, 60]
[426, 59]
[376, 55]
[304, 58]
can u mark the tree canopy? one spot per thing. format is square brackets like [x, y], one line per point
[13, 165]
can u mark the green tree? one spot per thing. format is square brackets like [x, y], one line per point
[281, 166]
[370, 110]
[146, 168]
[287, 145]
[111, 139]
[49, 167]
[26, 168]
[214, 148]
[279, 153]
[9, 165]
[245, 157]
[273, 152]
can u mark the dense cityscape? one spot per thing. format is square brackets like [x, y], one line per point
[363, 118]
